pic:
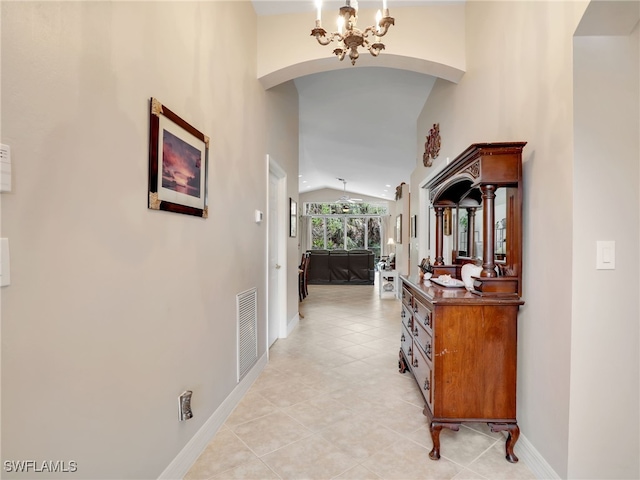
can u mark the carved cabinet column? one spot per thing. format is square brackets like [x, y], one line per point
[488, 221]
[439, 232]
[471, 227]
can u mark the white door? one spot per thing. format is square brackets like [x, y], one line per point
[275, 263]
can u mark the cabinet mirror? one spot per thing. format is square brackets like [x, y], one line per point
[468, 224]
[477, 202]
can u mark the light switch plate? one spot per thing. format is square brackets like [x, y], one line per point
[5, 263]
[5, 168]
[605, 255]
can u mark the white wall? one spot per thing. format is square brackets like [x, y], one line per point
[282, 138]
[115, 309]
[518, 87]
[403, 248]
[604, 437]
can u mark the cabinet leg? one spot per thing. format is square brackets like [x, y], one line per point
[402, 366]
[435, 428]
[514, 434]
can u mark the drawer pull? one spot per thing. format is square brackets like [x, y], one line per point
[416, 332]
[402, 339]
[403, 314]
[427, 384]
[428, 349]
[409, 352]
[415, 362]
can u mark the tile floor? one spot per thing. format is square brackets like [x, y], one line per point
[331, 404]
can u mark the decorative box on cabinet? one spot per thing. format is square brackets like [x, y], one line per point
[462, 348]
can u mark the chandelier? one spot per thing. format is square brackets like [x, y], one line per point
[349, 37]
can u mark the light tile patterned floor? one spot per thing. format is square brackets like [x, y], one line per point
[331, 405]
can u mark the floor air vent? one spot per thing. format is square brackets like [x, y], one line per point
[247, 305]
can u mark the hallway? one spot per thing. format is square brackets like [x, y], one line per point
[331, 404]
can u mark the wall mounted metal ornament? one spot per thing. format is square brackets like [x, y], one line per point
[432, 146]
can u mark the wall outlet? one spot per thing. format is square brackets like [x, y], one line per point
[184, 405]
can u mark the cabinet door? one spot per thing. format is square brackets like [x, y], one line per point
[475, 361]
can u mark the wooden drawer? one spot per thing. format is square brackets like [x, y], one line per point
[407, 297]
[423, 373]
[423, 314]
[406, 317]
[406, 343]
[423, 340]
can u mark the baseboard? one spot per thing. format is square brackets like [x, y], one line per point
[180, 465]
[528, 454]
[293, 323]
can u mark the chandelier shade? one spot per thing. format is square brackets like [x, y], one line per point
[349, 37]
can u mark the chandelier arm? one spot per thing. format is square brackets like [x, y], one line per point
[322, 40]
[385, 23]
[372, 29]
[321, 35]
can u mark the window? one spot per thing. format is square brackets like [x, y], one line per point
[360, 228]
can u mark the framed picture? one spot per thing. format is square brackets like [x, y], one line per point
[413, 226]
[293, 215]
[178, 163]
[399, 229]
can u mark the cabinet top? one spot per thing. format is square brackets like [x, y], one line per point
[499, 164]
[442, 295]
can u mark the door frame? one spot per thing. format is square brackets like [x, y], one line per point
[281, 301]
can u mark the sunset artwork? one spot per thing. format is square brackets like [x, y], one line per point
[181, 165]
[178, 163]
